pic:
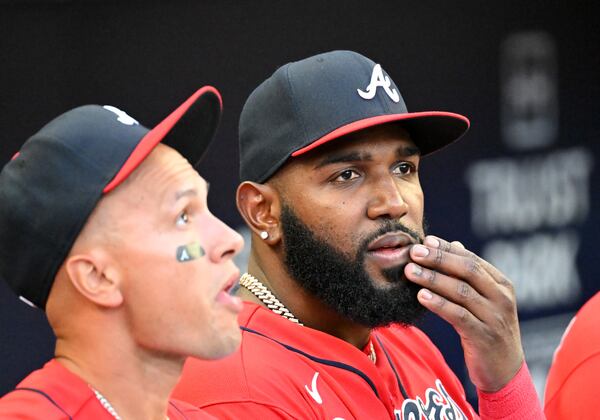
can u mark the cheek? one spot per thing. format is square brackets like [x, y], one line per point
[156, 282]
[414, 197]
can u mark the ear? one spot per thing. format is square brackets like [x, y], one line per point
[260, 206]
[94, 277]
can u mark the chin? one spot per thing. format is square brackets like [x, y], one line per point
[225, 344]
[390, 279]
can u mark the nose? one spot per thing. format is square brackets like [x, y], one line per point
[386, 200]
[227, 242]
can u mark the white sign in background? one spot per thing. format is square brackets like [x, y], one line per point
[528, 208]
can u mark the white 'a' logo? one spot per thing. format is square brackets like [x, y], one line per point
[184, 256]
[122, 115]
[379, 80]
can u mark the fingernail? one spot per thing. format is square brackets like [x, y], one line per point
[432, 242]
[416, 269]
[426, 294]
[420, 251]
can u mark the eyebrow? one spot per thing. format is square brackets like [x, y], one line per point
[344, 158]
[407, 151]
[189, 192]
[402, 151]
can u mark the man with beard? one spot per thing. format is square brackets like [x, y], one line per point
[341, 268]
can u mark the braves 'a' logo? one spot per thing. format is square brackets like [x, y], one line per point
[378, 79]
[122, 116]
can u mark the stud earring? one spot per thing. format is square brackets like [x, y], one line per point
[264, 234]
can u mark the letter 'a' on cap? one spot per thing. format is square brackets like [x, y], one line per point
[52, 185]
[307, 103]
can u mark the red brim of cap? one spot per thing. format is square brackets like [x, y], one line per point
[191, 139]
[430, 130]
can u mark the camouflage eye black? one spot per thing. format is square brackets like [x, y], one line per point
[189, 252]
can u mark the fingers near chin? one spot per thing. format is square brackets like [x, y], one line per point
[459, 317]
[457, 244]
[454, 247]
[425, 296]
[431, 300]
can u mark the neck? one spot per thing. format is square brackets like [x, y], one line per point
[136, 382]
[309, 310]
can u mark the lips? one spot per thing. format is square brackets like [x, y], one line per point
[390, 250]
[391, 240]
[224, 297]
[231, 283]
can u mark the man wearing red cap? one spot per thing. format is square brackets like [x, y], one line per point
[341, 266]
[104, 224]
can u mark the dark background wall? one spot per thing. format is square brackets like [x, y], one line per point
[534, 63]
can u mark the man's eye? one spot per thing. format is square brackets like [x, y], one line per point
[404, 168]
[183, 218]
[347, 175]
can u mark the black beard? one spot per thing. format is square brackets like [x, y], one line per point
[342, 283]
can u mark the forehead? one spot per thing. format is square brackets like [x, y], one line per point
[151, 193]
[375, 142]
[164, 176]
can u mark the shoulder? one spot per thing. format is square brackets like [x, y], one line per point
[34, 396]
[29, 403]
[576, 396]
[573, 374]
[182, 410]
[52, 392]
[580, 342]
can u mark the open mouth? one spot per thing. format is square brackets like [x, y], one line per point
[233, 303]
[231, 284]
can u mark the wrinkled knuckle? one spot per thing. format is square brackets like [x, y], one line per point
[504, 281]
[463, 316]
[473, 266]
[508, 301]
[441, 302]
[464, 290]
[445, 246]
[431, 277]
[439, 256]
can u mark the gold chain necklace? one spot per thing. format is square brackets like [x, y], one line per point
[261, 291]
[265, 296]
[107, 405]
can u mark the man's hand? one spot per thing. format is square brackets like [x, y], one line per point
[479, 302]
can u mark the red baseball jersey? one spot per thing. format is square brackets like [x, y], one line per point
[573, 385]
[284, 370]
[54, 393]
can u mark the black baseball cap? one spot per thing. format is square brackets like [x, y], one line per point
[310, 102]
[49, 189]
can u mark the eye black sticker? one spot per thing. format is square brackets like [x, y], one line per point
[189, 252]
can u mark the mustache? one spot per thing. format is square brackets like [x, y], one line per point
[388, 226]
